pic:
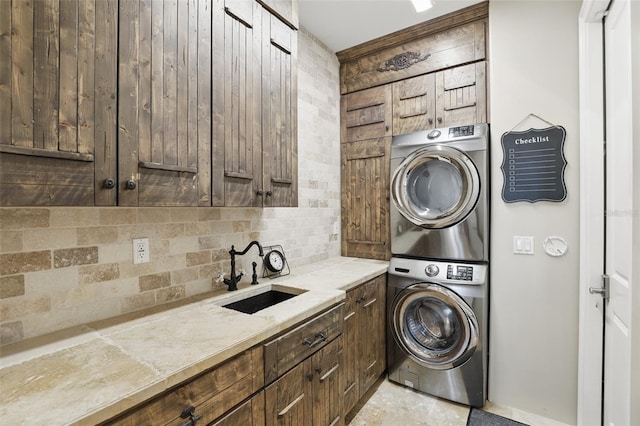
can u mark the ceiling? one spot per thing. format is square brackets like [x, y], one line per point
[341, 24]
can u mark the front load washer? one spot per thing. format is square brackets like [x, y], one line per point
[439, 194]
[437, 328]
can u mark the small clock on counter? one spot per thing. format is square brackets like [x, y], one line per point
[274, 262]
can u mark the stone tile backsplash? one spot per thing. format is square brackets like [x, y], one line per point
[65, 266]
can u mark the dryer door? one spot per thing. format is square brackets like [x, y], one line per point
[434, 326]
[435, 187]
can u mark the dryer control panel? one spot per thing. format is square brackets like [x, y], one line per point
[456, 132]
[461, 273]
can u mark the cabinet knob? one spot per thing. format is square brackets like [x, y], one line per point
[269, 193]
[386, 128]
[131, 184]
[439, 119]
[430, 120]
[259, 192]
[109, 183]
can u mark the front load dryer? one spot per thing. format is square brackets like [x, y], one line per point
[437, 328]
[439, 194]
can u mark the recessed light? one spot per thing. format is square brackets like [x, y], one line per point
[422, 5]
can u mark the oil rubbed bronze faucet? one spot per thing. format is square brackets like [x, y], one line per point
[232, 281]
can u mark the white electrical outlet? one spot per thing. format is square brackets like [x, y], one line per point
[140, 250]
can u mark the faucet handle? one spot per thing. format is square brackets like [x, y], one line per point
[220, 277]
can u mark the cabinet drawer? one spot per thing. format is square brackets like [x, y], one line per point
[211, 394]
[293, 347]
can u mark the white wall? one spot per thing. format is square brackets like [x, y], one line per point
[533, 359]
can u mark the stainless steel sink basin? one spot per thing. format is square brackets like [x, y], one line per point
[258, 302]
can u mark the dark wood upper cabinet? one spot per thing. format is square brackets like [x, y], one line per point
[164, 103]
[237, 135]
[254, 107]
[58, 102]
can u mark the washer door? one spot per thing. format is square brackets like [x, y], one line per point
[434, 326]
[435, 187]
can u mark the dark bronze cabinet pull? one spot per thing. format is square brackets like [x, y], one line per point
[190, 413]
[319, 338]
[131, 184]
[109, 183]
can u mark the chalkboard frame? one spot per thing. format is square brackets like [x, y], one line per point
[553, 139]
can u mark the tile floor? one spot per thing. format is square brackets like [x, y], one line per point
[389, 404]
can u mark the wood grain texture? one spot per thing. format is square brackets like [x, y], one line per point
[365, 198]
[105, 83]
[464, 16]
[204, 101]
[279, 113]
[351, 353]
[159, 96]
[449, 48]
[414, 104]
[461, 95]
[288, 400]
[249, 413]
[366, 114]
[371, 327]
[212, 393]
[237, 145]
[55, 50]
[327, 384]
[291, 348]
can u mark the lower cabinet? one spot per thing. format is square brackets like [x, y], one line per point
[312, 374]
[310, 393]
[364, 356]
[205, 398]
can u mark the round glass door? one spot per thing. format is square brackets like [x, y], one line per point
[436, 187]
[435, 326]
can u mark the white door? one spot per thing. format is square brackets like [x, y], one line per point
[618, 216]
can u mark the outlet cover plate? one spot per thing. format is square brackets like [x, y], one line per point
[140, 250]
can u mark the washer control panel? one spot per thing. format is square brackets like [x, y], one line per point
[456, 132]
[460, 273]
[439, 272]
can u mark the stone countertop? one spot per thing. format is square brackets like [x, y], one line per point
[93, 372]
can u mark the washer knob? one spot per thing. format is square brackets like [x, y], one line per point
[431, 270]
[434, 134]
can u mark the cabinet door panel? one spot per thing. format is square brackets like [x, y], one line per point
[251, 413]
[366, 114]
[365, 200]
[414, 104]
[162, 141]
[288, 400]
[351, 353]
[237, 160]
[279, 113]
[372, 330]
[327, 386]
[461, 96]
[57, 101]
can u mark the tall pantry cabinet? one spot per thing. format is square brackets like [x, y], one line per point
[148, 103]
[427, 76]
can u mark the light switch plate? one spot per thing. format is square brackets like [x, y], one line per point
[140, 250]
[522, 245]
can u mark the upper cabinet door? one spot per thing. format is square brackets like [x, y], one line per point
[414, 104]
[279, 113]
[164, 98]
[461, 95]
[237, 141]
[57, 102]
[366, 114]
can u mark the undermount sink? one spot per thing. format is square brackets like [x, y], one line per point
[258, 302]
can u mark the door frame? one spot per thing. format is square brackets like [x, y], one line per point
[592, 242]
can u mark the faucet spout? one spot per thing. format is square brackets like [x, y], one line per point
[232, 281]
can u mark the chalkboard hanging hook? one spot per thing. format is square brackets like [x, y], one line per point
[535, 116]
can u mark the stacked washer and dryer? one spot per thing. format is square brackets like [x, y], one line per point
[438, 274]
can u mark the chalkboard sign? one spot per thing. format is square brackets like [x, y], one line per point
[533, 165]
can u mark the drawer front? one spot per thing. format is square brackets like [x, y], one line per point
[251, 413]
[210, 394]
[284, 352]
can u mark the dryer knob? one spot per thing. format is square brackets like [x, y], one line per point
[434, 134]
[431, 270]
